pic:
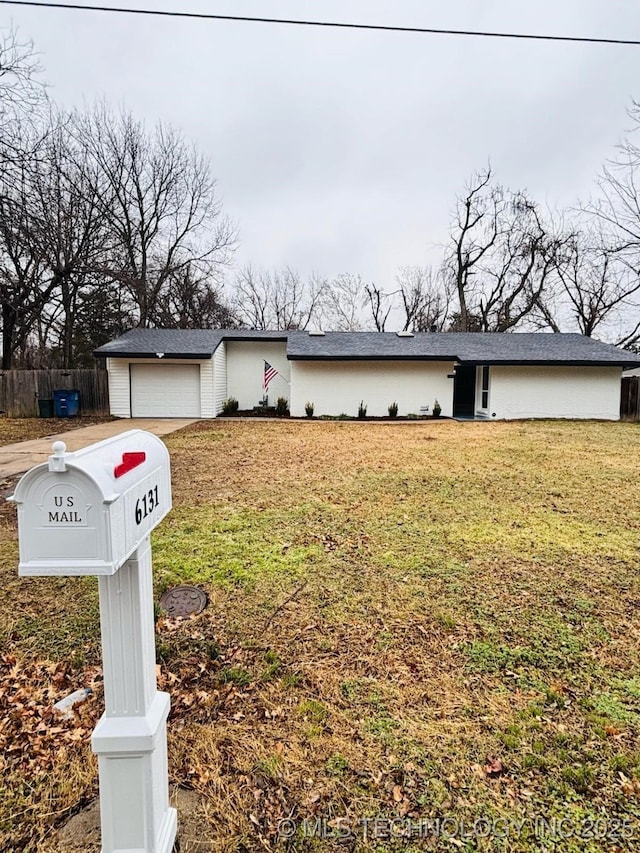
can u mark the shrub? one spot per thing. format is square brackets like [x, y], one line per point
[436, 409]
[282, 407]
[230, 406]
[362, 410]
[308, 408]
[393, 410]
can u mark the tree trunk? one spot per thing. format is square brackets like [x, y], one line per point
[9, 319]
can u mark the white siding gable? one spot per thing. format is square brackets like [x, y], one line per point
[220, 377]
[207, 389]
[119, 391]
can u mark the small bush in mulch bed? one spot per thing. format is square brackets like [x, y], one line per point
[282, 407]
[271, 412]
[368, 418]
[230, 406]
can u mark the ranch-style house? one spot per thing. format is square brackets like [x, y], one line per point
[175, 373]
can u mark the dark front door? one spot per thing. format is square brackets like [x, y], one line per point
[464, 392]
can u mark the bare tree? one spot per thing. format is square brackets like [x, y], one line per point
[21, 97]
[596, 282]
[502, 257]
[521, 268]
[613, 278]
[341, 303]
[161, 210]
[67, 229]
[597, 293]
[618, 206]
[474, 232]
[19, 67]
[192, 301]
[25, 288]
[103, 314]
[94, 209]
[275, 300]
[380, 305]
[425, 299]
[21, 292]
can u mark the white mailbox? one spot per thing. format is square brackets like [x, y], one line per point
[91, 513]
[85, 513]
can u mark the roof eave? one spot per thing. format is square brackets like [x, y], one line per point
[154, 355]
[523, 362]
[266, 336]
[370, 357]
[547, 362]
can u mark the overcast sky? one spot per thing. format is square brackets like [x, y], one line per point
[340, 151]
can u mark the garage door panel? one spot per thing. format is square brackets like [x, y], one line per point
[165, 391]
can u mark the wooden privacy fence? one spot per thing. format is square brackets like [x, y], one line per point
[20, 390]
[630, 398]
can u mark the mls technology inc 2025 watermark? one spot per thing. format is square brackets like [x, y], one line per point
[539, 827]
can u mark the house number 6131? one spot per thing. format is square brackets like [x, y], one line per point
[146, 504]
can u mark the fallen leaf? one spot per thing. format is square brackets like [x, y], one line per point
[493, 767]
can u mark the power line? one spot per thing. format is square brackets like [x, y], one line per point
[328, 24]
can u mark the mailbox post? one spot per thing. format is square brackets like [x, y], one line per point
[91, 513]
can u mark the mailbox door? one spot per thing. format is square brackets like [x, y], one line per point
[64, 527]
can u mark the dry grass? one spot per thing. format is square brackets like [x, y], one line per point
[412, 621]
[13, 430]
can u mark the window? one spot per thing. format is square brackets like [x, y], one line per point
[485, 386]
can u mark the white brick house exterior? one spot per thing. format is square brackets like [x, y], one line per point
[190, 373]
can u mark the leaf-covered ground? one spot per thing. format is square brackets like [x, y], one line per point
[422, 636]
[13, 430]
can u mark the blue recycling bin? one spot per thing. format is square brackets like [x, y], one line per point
[66, 404]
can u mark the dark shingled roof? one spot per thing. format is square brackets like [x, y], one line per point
[464, 347]
[178, 343]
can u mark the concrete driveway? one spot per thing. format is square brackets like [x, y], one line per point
[18, 458]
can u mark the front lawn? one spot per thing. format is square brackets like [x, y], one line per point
[424, 636]
[13, 430]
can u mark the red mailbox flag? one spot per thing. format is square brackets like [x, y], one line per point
[130, 460]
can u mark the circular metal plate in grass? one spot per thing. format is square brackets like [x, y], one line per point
[183, 600]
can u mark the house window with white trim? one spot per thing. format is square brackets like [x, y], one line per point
[484, 391]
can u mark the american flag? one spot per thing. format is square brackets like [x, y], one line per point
[269, 373]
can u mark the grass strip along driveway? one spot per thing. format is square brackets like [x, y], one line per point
[419, 635]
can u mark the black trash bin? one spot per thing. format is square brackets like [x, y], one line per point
[45, 408]
[66, 404]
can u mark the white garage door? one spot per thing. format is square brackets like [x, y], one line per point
[165, 390]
